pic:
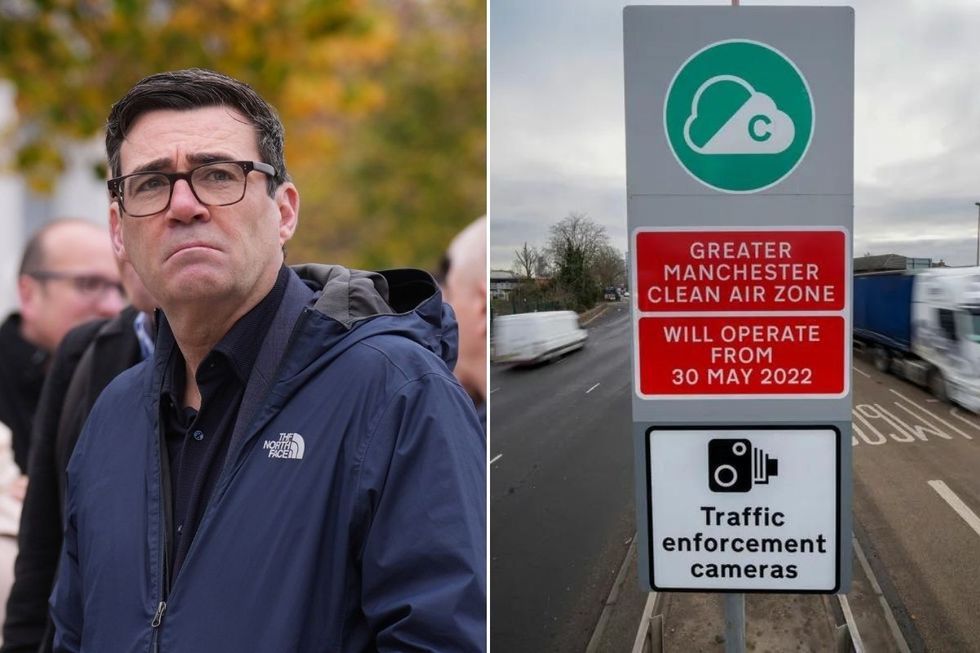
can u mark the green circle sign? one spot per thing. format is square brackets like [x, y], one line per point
[739, 116]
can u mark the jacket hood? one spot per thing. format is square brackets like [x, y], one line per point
[405, 302]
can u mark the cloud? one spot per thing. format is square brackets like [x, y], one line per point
[757, 127]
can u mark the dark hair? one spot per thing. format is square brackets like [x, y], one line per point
[195, 88]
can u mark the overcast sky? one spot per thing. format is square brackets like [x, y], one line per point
[556, 126]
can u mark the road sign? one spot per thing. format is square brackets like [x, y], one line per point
[707, 357]
[739, 147]
[760, 511]
[738, 116]
[747, 312]
[744, 269]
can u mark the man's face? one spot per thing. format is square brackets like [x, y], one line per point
[464, 291]
[192, 254]
[73, 286]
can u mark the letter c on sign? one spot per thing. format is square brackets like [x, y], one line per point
[757, 135]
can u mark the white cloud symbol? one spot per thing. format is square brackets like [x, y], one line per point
[758, 127]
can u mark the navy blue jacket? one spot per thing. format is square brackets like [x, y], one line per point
[350, 513]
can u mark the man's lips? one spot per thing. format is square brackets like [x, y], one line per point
[191, 245]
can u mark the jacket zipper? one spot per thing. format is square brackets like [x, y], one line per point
[226, 474]
[165, 537]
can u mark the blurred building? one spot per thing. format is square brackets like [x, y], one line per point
[889, 262]
[502, 282]
[78, 194]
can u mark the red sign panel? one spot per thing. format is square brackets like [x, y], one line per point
[755, 355]
[696, 271]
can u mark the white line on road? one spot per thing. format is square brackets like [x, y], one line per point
[496, 458]
[595, 641]
[954, 501]
[639, 643]
[955, 412]
[929, 412]
[592, 388]
[861, 372]
[494, 390]
[903, 647]
[851, 624]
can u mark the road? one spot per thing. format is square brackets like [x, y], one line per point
[561, 491]
[916, 462]
[562, 498]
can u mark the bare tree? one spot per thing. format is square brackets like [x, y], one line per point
[526, 261]
[579, 233]
[573, 250]
[610, 267]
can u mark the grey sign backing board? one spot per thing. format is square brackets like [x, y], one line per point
[739, 146]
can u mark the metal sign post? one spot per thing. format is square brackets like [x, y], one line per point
[740, 193]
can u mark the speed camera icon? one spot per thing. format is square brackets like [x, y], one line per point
[734, 465]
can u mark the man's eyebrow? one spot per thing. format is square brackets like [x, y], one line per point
[156, 165]
[201, 158]
[198, 158]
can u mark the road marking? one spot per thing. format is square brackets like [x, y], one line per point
[496, 458]
[954, 501]
[592, 388]
[494, 390]
[639, 644]
[929, 412]
[851, 624]
[955, 412]
[600, 627]
[903, 647]
[861, 372]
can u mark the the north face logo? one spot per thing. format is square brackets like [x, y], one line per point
[289, 445]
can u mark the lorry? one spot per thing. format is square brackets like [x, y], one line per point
[527, 338]
[924, 325]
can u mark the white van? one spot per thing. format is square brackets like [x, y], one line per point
[535, 337]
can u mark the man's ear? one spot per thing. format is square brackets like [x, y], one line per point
[115, 231]
[482, 289]
[27, 291]
[287, 199]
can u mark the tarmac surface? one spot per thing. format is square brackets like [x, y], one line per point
[774, 623]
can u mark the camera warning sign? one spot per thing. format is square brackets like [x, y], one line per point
[761, 516]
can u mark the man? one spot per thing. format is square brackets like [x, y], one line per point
[466, 290]
[296, 469]
[67, 276]
[87, 359]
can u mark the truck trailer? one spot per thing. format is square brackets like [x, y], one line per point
[924, 325]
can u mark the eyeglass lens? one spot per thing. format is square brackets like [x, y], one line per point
[214, 184]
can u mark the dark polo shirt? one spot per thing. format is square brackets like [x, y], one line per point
[197, 441]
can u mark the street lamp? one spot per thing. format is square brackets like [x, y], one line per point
[978, 233]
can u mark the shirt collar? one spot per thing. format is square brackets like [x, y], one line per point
[239, 348]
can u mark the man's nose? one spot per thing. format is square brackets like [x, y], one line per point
[184, 205]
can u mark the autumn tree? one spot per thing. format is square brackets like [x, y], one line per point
[383, 101]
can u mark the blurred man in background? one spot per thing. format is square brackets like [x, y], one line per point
[68, 275]
[89, 357]
[466, 291]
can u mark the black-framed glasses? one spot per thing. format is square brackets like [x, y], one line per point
[214, 184]
[91, 286]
